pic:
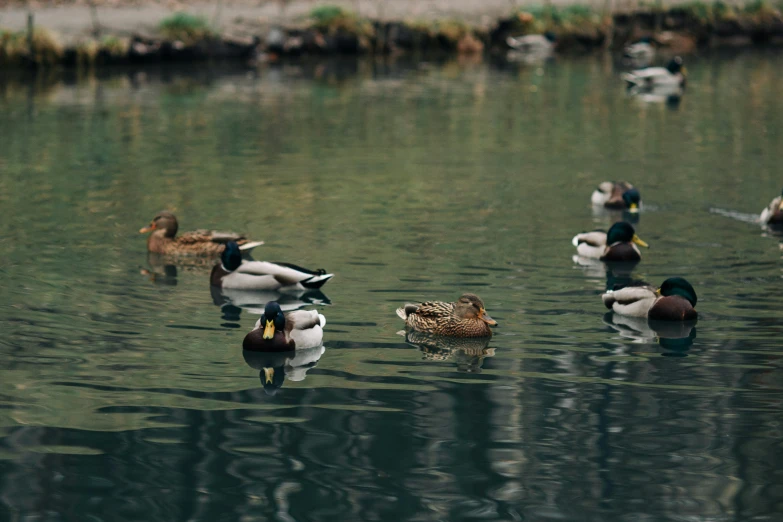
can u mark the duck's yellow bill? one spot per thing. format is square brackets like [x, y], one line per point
[269, 375]
[634, 208]
[780, 207]
[684, 70]
[484, 316]
[636, 239]
[269, 330]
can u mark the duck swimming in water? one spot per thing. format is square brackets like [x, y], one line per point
[619, 244]
[465, 318]
[163, 238]
[673, 301]
[617, 195]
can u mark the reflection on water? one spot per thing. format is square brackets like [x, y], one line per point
[276, 367]
[467, 353]
[122, 398]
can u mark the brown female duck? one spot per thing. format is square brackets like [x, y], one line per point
[164, 240]
[465, 318]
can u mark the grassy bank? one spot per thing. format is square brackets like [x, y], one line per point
[330, 29]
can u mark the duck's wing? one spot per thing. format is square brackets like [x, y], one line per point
[303, 320]
[286, 274]
[771, 210]
[596, 238]
[631, 300]
[305, 328]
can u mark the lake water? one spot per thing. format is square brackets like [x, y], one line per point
[124, 393]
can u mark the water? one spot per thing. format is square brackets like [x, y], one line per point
[124, 394]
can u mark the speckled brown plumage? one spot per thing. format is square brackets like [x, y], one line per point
[465, 318]
[163, 238]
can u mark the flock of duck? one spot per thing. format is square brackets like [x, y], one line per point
[655, 83]
[279, 332]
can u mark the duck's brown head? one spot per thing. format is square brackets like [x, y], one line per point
[163, 221]
[470, 306]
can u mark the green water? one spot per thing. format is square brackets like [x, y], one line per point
[124, 394]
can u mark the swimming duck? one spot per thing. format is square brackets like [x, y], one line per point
[278, 332]
[641, 51]
[234, 273]
[533, 43]
[673, 301]
[673, 75]
[773, 214]
[619, 244]
[617, 195]
[164, 239]
[465, 318]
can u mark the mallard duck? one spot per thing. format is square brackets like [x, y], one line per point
[275, 367]
[617, 195]
[164, 239]
[673, 75]
[619, 244]
[773, 214]
[465, 318]
[234, 273]
[278, 332]
[641, 51]
[673, 301]
[533, 43]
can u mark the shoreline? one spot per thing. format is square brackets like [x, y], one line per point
[155, 35]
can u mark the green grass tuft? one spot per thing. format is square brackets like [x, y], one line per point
[332, 18]
[186, 27]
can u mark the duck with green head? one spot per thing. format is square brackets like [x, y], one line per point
[671, 77]
[675, 300]
[619, 244]
[237, 274]
[773, 214]
[278, 332]
[618, 195]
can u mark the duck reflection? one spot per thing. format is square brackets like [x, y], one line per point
[675, 336]
[254, 301]
[467, 353]
[276, 367]
[618, 275]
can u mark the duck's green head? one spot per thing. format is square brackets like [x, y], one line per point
[231, 256]
[678, 286]
[675, 66]
[272, 320]
[632, 199]
[623, 232]
[272, 378]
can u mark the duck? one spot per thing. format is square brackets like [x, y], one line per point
[773, 214]
[641, 51]
[237, 274]
[656, 78]
[278, 332]
[465, 318]
[617, 195]
[533, 43]
[163, 238]
[675, 300]
[618, 244]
